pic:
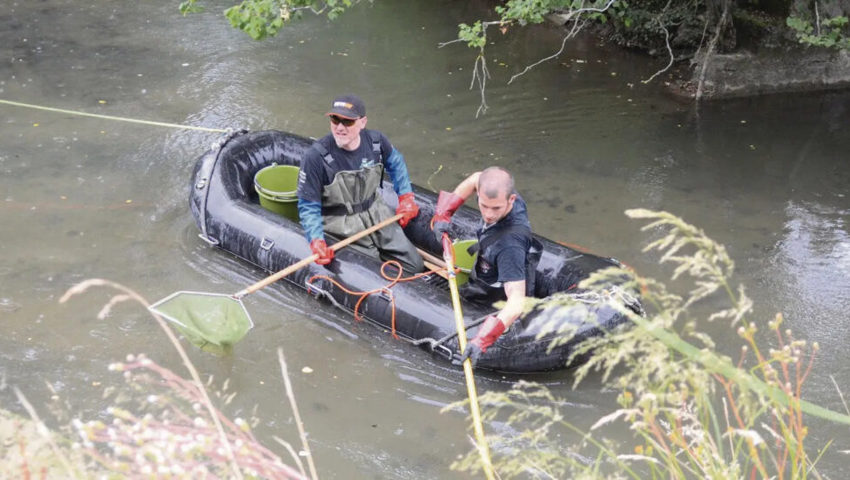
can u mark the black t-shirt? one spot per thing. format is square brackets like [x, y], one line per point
[314, 175]
[505, 259]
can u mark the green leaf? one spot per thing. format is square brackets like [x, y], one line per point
[721, 365]
[473, 35]
[190, 6]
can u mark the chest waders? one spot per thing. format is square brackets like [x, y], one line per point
[351, 203]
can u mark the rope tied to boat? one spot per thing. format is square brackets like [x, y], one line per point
[111, 117]
[386, 289]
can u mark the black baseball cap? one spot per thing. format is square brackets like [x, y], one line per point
[348, 106]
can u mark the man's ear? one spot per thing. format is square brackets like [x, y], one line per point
[511, 199]
[364, 121]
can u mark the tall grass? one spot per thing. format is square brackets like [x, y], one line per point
[692, 412]
[161, 426]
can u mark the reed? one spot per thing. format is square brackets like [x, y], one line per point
[160, 426]
[692, 411]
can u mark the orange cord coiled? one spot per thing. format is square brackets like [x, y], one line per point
[386, 288]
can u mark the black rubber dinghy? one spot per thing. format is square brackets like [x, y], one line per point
[227, 210]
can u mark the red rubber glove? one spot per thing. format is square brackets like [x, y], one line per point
[320, 248]
[488, 333]
[407, 207]
[447, 205]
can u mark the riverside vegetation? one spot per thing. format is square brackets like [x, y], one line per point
[694, 413]
[650, 25]
[687, 34]
[162, 426]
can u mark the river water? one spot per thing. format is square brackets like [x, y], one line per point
[585, 138]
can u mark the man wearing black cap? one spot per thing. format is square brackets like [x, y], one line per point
[338, 188]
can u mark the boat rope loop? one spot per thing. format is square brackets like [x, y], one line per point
[110, 117]
[386, 289]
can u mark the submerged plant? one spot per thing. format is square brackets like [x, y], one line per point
[693, 412]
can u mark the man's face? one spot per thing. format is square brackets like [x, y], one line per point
[346, 132]
[495, 208]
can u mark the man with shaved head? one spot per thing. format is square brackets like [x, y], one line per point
[507, 251]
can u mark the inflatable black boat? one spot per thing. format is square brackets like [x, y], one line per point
[228, 212]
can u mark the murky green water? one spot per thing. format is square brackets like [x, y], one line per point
[85, 198]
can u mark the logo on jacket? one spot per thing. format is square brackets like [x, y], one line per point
[366, 162]
[483, 266]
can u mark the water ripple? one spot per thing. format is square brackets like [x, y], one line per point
[8, 305]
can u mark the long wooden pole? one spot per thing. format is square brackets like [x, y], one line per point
[483, 449]
[312, 258]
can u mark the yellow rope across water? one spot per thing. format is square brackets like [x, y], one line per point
[110, 117]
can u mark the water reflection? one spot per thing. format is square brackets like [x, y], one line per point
[813, 267]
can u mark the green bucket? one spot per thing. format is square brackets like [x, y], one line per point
[277, 186]
[463, 260]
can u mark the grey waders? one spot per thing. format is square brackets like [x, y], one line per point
[351, 203]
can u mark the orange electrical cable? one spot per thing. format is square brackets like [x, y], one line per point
[386, 288]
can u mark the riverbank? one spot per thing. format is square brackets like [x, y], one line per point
[775, 70]
[760, 60]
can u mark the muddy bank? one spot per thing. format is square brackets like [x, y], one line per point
[759, 55]
[792, 69]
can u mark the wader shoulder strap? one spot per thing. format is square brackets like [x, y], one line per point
[328, 159]
[375, 137]
[376, 149]
[330, 170]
